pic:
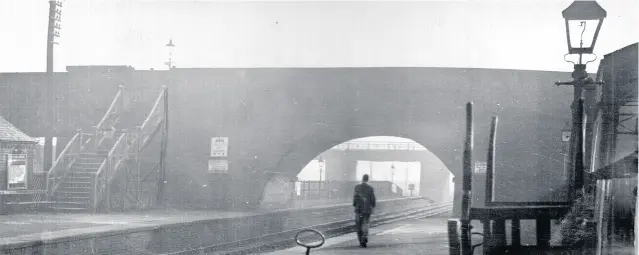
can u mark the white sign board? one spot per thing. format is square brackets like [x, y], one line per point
[219, 146]
[411, 186]
[218, 166]
[17, 174]
[480, 167]
[565, 136]
[38, 161]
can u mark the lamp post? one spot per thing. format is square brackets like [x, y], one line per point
[565, 137]
[170, 46]
[393, 172]
[583, 20]
[320, 164]
[406, 180]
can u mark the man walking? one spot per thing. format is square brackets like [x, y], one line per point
[364, 202]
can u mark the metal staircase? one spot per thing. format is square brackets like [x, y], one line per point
[80, 178]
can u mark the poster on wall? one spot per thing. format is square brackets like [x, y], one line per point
[219, 146]
[17, 171]
[38, 161]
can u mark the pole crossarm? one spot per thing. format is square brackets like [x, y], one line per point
[573, 83]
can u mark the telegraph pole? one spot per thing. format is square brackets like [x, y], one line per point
[53, 31]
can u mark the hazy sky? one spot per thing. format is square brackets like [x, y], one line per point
[513, 34]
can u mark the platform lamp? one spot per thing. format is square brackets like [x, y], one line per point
[170, 47]
[392, 172]
[583, 20]
[320, 163]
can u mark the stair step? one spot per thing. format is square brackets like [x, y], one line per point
[95, 163]
[77, 183]
[81, 173]
[73, 199]
[80, 178]
[73, 192]
[93, 155]
[66, 187]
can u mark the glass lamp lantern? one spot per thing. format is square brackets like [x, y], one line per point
[583, 22]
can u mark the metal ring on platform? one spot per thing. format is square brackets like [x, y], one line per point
[297, 240]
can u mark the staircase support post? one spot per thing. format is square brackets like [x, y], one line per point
[165, 128]
[137, 151]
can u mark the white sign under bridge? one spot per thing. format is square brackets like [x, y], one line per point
[480, 167]
[219, 146]
[218, 161]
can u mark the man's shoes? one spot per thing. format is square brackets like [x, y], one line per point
[363, 242]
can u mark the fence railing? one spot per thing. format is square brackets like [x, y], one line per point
[390, 146]
[343, 189]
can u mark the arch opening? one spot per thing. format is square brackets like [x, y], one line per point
[397, 167]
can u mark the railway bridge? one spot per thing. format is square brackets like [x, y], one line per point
[279, 119]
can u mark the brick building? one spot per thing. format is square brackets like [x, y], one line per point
[18, 183]
[17, 149]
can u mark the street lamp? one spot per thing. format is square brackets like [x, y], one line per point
[583, 20]
[406, 178]
[393, 172]
[320, 164]
[170, 46]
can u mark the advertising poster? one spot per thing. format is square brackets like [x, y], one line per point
[17, 171]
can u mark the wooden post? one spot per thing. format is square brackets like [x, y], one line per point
[466, 245]
[488, 237]
[490, 163]
[516, 232]
[579, 146]
[543, 232]
[499, 232]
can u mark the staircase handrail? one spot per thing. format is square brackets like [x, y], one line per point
[115, 104]
[155, 113]
[156, 105]
[64, 155]
[110, 163]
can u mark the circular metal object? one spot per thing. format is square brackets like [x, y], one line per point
[297, 240]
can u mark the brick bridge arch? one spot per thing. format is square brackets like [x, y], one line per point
[278, 119]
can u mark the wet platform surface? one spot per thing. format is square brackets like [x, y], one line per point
[414, 236]
[35, 226]
[24, 227]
